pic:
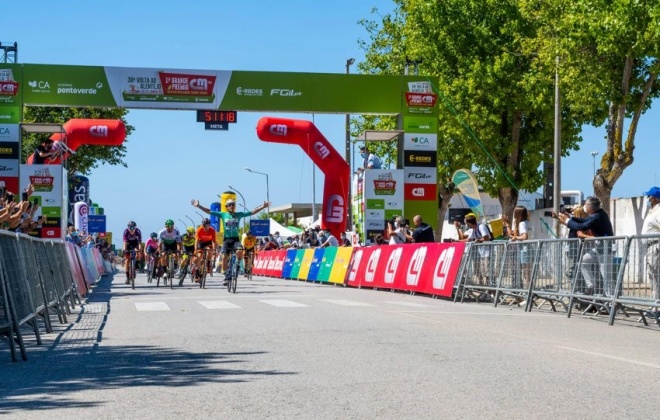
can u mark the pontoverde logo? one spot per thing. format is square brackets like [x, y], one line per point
[69, 89]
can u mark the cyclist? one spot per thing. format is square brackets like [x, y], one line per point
[249, 246]
[230, 220]
[151, 248]
[132, 239]
[204, 238]
[188, 243]
[170, 241]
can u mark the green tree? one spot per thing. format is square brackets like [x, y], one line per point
[86, 158]
[609, 52]
[496, 107]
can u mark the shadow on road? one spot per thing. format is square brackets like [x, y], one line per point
[77, 362]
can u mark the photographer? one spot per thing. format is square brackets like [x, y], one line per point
[397, 231]
[594, 260]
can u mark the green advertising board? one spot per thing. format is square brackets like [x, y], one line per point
[326, 264]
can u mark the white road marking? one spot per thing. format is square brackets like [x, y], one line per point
[219, 304]
[607, 356]
[284, 303]
[151, 306]
[408, 304]
[343, 302]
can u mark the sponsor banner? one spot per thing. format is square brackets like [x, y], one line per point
[10, 114]
[421, 192]
[374, 214]
[47, 181]
[10, 89]
[340, 265]
[384, 193]
[10, 183]
[416, 141]
[326, 264]
[423, 125]
[427, 209]
[9, 167]
[288, 263]
[65, 85]
[276, 263]
[51, 232]
[295, 269]
[260, 227]
[423, 268]
[96, 223]
[9, 150]
[260, 263]
[305, 264]
[417, 175]
[9, 132]
[315, 266]
[427, 159]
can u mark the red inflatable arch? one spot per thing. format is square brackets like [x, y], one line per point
[318, 148]
[96, 132]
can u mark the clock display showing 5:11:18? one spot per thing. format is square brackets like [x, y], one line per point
[217, 116]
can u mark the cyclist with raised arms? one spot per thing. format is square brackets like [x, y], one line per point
[132, 239]
[204, 239]
[230, 220]
[170, 241]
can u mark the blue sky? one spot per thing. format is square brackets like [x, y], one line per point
[171, 158]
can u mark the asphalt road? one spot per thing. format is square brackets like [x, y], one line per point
[288, 349]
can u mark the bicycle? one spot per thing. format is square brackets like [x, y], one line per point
[151, 266]
[131, 267]
[249, 254]
[185, 264]
[171, 257]
[233, 272]
[204, 268]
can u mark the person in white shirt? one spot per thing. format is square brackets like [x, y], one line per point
[329, 239]
[651, 226]
[520, 232]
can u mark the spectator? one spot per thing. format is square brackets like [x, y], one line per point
[44, 152]
[397, 231]
[423, 232]
[329, 239]
[72, 235]
[574, 248]
[379, 240]
[278, 239]
[477, 232]
[651, 226]
[371, 161]
[343, 240]
[595, 259]
[520, 232]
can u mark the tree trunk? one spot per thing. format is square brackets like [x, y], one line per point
[508, 199]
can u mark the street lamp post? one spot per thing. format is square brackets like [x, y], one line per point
[184, 223]
[349, 62]
[593, 155]
[191, 221]
[267, 189]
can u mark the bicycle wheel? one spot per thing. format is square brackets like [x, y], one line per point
[150, 270]
[202, 275]
[170, 269]
[234, 275]
[133, 274]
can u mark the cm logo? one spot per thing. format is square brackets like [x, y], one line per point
[98, 130]
[392, 265]
[442, 268]
[278, 130]
[372, 264]
[334, 212]
[355, 264]
[415, 266]
[321, 150]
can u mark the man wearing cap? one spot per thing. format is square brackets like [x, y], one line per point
[651, 226]
[44, 152]
[371, 161]
[230, 220]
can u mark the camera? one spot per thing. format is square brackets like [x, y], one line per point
[547, 213]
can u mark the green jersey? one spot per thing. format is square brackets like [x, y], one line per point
[230, 221]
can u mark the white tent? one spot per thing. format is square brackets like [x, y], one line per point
[284, 231]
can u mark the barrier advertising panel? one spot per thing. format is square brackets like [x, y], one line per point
[340, 265]
[327, 261]
[305, 264]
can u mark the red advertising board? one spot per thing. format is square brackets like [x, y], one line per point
[425, 268]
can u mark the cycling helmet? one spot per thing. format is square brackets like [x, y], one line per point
[190, 229]
[206, 221]
[153, 235]
[132, 225]
[169, 223]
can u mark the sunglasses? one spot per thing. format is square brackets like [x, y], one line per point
[231, 205]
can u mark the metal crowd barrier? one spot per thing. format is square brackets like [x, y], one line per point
[597, 276]
[37, 281]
